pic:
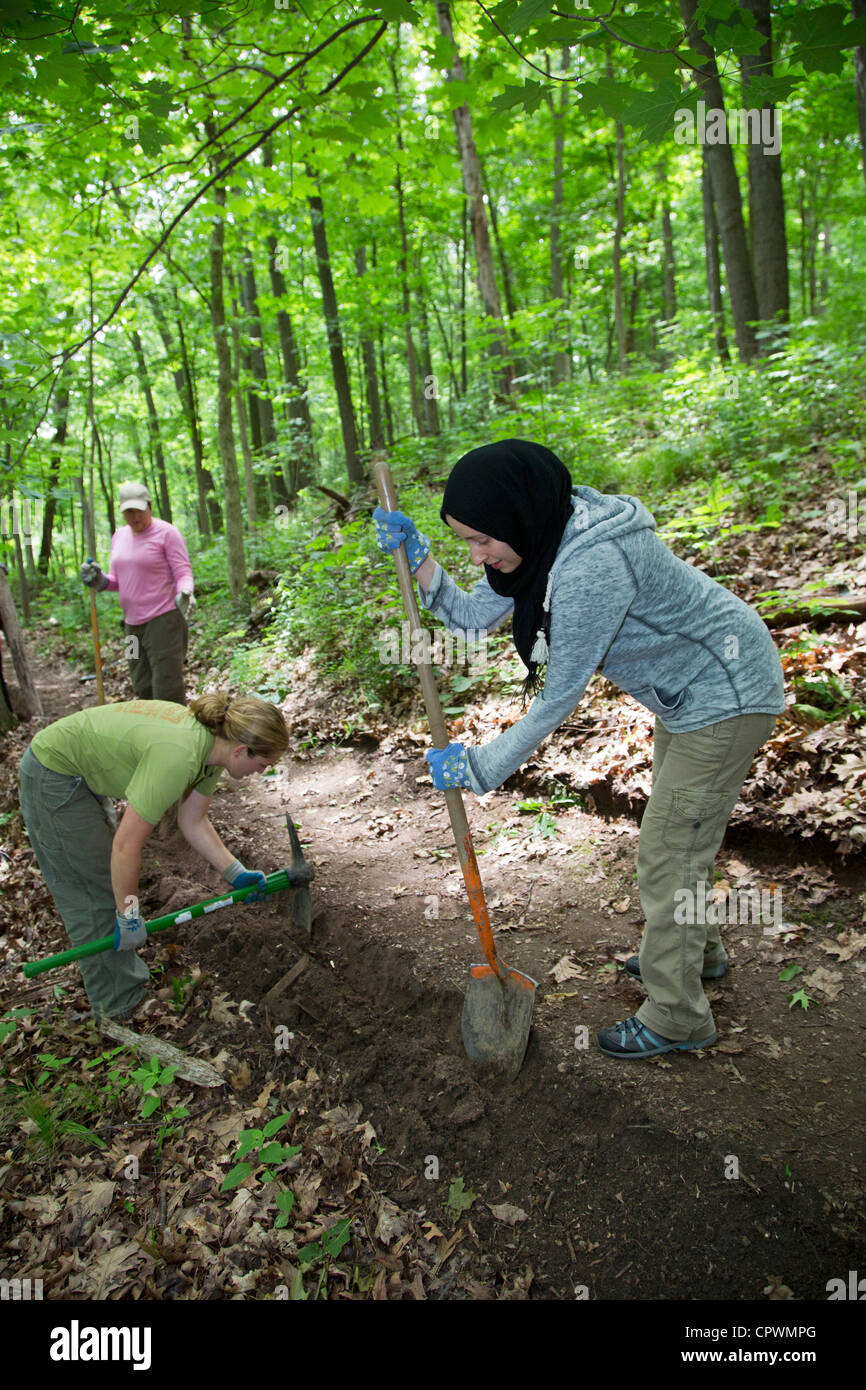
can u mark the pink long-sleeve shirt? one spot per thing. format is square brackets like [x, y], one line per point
[149, 570]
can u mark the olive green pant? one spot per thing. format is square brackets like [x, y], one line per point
[156, 652]
[69, 830]
[697, 779]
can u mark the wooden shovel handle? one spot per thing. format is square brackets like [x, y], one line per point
[453, 799]
[97, 650]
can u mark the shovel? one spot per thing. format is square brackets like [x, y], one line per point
[97, 650]
[297, 875]
[497, 1009]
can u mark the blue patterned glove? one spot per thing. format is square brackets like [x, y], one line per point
[448, 766]
[394, 529]
[239, 877]
[129, 931]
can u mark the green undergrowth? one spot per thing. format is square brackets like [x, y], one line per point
[712, 452]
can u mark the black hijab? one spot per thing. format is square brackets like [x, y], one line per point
[519, 493]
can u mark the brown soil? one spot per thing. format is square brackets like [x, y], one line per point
[734, 1173]
[620, 1167]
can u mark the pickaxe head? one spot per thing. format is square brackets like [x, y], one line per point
[300, 875]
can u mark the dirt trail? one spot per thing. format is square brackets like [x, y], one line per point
[723, 1174]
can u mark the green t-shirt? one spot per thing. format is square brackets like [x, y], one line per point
[148, 751]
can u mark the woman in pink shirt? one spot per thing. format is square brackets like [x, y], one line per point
[150, 570]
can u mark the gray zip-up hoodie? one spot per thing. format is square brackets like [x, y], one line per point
[622, 603]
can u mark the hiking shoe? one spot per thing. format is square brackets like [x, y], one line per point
[713, 972]
[633, 1039]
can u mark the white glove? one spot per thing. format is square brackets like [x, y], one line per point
[93, 577]
[185, 601]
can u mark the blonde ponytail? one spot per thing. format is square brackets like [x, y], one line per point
[243, 719]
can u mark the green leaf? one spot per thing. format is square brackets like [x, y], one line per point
[653, 112]
[458, 1199]
[823, 36]
[235, 1176]
[528, 13]
[249, 1139]
[529, 96]
[397, 12]
[790, 971]
[801, 998]
[273, 1126]
[285, 1203]
[149, 1104]
[338, 1236]
[613, 98]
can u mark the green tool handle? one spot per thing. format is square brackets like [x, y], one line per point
[274, 883]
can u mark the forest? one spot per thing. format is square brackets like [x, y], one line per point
[248, 250]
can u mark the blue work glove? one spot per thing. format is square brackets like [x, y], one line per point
[239, 877]
[129, 931]
[394, 529]
[92, 576]
[448, 766]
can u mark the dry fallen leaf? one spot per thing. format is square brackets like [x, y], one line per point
[392, 1222]
[241, 1078]
[565, 969]
[509, 1214]
[829, 982]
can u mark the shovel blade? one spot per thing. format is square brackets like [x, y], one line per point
[497, 1018]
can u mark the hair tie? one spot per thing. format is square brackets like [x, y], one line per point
[226, 710]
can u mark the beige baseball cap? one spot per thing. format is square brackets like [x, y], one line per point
[133, 495]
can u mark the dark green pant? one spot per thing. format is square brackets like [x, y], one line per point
[71, 838]
[156, 655]
[697, 779]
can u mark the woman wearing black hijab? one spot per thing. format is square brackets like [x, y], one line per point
[590, 587]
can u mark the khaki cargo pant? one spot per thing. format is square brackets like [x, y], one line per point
[156, 663]
[69, 830]
[697, 779]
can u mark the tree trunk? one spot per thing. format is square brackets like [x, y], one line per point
[504, 267]
[240, 406]
[562, 363]
[464, 245]
[383, 375]
[669, 267]
[7, 714]
[301, 450]
[430, 380]
[403, 266]
[769, 244]
[487, 287]
[711, 257]
[30, 701]
[261, 405]
[339, 369]
[726, 196]
[376, 434]
[858, 10]
[61, 420]
[826, 257]
[618, 233]
[153, 425]
[183, 385]
[231, 483]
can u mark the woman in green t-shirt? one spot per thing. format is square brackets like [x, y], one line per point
[151, 753]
